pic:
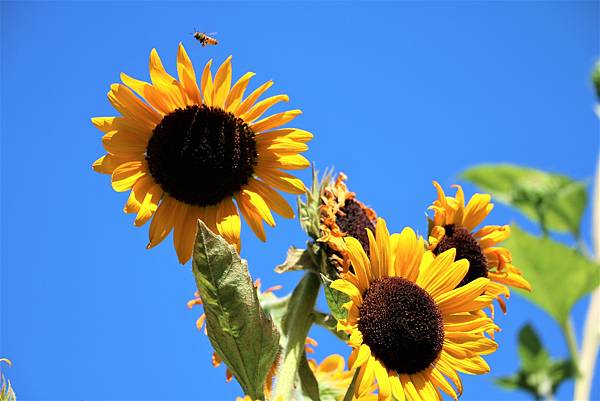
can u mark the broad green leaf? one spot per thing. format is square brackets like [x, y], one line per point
[554, 201]
[308, 382]
[241, 333]
[335, 299]
[559, 275]
[539, 374]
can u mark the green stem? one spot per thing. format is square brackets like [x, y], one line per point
[569, 333]
[295, 327]
[350, 392]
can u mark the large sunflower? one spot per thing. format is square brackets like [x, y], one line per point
[409, 325]
[454, 227]
[342, 215]
[187, 152]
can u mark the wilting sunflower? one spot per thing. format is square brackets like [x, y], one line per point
[342, 215]
[454, 227]
[409, 325]
[334, 380]
[187, 152]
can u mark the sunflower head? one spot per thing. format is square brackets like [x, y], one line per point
[410, 326]
[187, 151]
[343, 215]
[454, 226]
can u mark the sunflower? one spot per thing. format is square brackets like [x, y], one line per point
[334, 380]
[187, 152]
[409, 325]
[454, 227]
[342, 215]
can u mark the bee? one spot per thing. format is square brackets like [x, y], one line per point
[204, 39]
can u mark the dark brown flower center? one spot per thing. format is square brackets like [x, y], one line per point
[401, 324]
[200, 155]
[353, 220]
[468, 248]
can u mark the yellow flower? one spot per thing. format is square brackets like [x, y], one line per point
[342, 215]
[334, 380]
[454, 227]
[187, 152]
[409, 325]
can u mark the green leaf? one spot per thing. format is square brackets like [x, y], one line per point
[329, 323]
[539, 374]
[242, 334]
[297, 259]
[335, 299]
[308, 382]
[559, 275]
[554, 201]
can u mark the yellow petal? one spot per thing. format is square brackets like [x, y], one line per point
[222, 84]
[347, 288]
[407, 254]
[258, 204]
[273, 200]
[149, 93]
[207, 84]
[287, 162]
[252, 98]
[168, 85]
[288, 134]
[228, 222]
[123, 144]
[138, 193]
[461, 299]
[126, 175]
[397, 389]
[252, 217]
[477, 209]
[281, 180]
[364, 353]
[275, 120]
[382, 237]
[383, 383]
[163, 221]
[108, 163]
[187, 76]
[130, 106]
[360, 262]
[234, 98]
[259, 108]
[443, 274]
[148, 205]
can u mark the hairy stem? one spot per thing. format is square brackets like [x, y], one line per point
[296, 324]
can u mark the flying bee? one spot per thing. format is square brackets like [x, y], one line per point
[204, 39]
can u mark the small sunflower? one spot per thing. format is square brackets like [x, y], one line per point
[409, 325]
[454, 227]
[342, 215]
[334, 380]
[187, 152]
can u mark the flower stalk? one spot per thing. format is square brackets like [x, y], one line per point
[297, 323]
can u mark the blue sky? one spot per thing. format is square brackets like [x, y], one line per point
[397, 94]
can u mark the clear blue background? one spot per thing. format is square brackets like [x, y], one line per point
[397, 94]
